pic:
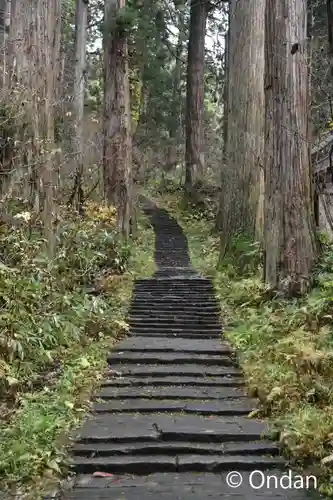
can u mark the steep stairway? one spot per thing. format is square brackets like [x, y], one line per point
[170, 419]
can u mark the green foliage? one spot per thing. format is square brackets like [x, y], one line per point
[53, 333]
[244, 257]
[44, 305]
[94, 94]
[122, 21]
[31, 446]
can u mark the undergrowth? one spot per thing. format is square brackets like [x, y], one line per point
[285, 347]
[57, 321]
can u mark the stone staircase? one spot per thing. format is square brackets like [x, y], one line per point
[171, 417]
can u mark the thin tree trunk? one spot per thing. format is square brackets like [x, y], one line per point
[290, 245]
[5, 12]
[219, 215]
[175, 128]
[194, 159]
[78, 94]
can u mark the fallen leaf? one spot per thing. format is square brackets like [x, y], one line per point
[102, 474]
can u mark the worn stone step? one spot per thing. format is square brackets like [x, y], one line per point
[175, 447]
[174, 322]
[142, 344]
[195, 302]
[204, 330]
[226, 407]
[185, 307]
[127, 428]
[171, 287]
[174, 318]
[194, 297]
[181, 335]
[181, 312]
[175, 291]
[188, 486]
[193, 463]
[173, 382]
[185, 370]
[169, 358]
[177, 281]
[172, 313]
[170, 393]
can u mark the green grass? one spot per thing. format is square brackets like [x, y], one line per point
[55, 338]
[285, 347]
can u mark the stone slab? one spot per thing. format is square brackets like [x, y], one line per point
[184, 463]
[185, 370]
[127, 427]
[203, 346]
[173, 382]
[169, 358]
[176, 447]
[170, 393]
[224, 407]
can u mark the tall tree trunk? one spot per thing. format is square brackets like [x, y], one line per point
[78, 94]
[245, 122]
[175, 128]
[290, 245]
[117, 119]
[5, 11]
[49, 49]
[219, 215]
[329, 7]
[194, 160]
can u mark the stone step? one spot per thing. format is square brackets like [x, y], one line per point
[168, 289]
[183, 463]
[181, 335]
[180, 370]
[191, 295]
[209, 322]
[177, 304]
[125, 428]
[169, 358]
[195, 302]
[175, 324]
[232, 407]
[189, 486]
[173, 382]
[143, 312]
[175, 447]
[151, 392]
[174, 319]
[170, 329]
[171, 286]
[177, 281]
[143, 344]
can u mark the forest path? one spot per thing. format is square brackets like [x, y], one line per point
[171, 422]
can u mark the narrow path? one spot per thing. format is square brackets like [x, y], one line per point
[171, 422]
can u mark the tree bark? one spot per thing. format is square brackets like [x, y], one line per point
[176, 118]
[239, 211]
[78, 95]
[5, 11]
[290, 245]
[194, 160]
[219, 215]
[117, 120]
